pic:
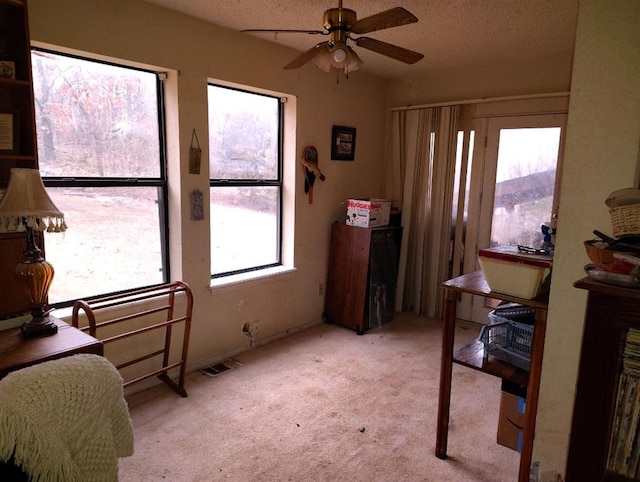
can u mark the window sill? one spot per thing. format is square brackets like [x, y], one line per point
[228, 283]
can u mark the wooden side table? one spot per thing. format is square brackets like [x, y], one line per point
[17, 352]
[472, 356]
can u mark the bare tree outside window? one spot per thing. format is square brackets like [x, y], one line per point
[245, 180]
[100, 155]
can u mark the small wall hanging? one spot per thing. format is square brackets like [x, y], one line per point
[343, 143]
[195, 154]
[197, 207]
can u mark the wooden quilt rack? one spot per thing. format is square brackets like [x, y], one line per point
[144, 303]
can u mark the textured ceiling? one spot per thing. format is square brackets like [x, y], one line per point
[450, 33]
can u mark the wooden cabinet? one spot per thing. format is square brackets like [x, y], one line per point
[17, 149]
[611, 312]
[472, 356]
[362, 276]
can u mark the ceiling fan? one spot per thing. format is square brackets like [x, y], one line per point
[340, 23]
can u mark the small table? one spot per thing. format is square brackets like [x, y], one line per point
[17, 352]
[472, 356]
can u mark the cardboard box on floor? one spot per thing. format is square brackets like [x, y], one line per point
[511, 420]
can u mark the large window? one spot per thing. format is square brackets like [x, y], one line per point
[101, 155]
[245, 162]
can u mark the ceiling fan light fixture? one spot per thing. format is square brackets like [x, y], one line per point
[339, 56]
[344, 58]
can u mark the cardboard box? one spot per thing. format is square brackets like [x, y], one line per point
[368, 213]
[514, 273]
[511, 420]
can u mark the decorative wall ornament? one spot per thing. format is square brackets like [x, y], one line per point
[197, 207]
[195, 154]
[311, 169]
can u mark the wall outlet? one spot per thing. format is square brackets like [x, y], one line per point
[250, 328]
[320, 288]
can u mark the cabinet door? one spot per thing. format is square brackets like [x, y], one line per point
[12, 301]
[347, 276]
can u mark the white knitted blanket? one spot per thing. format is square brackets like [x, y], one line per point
[65, 420]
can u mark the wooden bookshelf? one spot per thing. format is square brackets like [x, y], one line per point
[16, 100]
[611, 312]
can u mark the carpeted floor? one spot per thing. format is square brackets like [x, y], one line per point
[324, 405]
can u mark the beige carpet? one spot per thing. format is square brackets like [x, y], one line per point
[324, 405]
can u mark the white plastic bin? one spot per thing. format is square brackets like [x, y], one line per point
[513, 273]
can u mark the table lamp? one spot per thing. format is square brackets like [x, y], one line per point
[26, 207]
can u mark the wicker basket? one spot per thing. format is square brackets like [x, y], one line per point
[625, 220]
[598, 255]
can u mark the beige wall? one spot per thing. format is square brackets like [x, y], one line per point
[601, 152]
[539, 76]
[142, 33]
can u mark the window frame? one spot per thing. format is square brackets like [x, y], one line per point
[258, 182]
[160, 182]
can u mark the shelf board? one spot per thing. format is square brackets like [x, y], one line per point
[16, 157]
[14, 84]
[476, 284]
[472, 356]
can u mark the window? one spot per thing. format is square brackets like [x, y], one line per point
[101, 154]
[245, 165]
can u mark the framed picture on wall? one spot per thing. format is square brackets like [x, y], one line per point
[343, 143]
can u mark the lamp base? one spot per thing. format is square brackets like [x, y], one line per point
[36, 327]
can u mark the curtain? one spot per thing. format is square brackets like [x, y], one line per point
[423, 176]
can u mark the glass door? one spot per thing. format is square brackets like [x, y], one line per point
[513, 190]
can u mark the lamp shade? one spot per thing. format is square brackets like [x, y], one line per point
[26, 199]
[323, 59]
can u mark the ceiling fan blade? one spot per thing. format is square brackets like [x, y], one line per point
[304, 57]
[263, 30]
[403, 55]
[394, 17]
